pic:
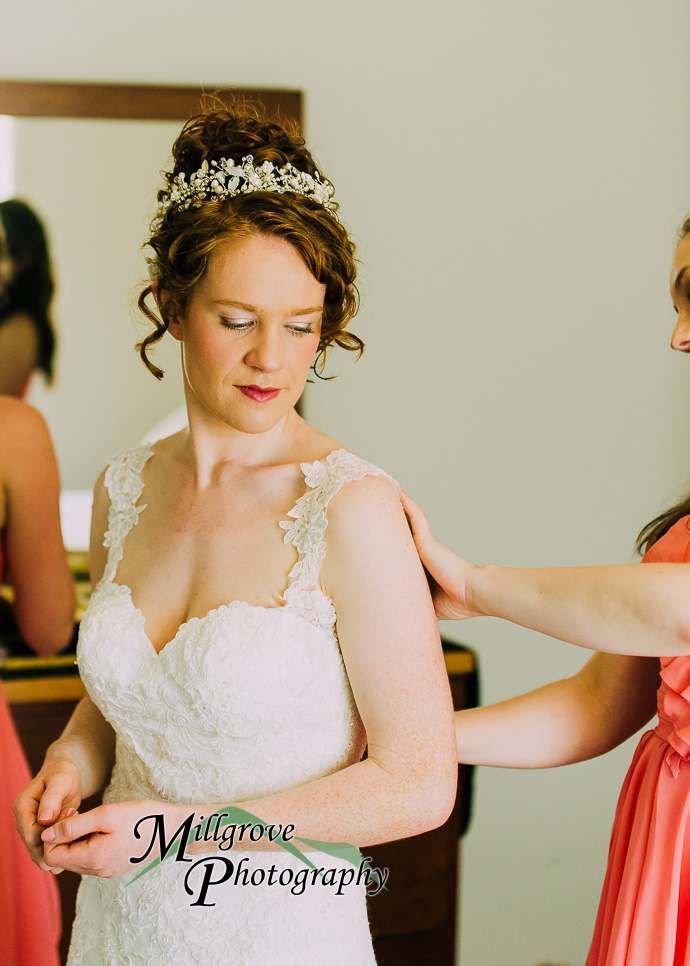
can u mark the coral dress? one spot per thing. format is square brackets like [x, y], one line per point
[644, 912]
[29, 905]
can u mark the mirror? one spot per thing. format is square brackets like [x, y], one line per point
[88, 158]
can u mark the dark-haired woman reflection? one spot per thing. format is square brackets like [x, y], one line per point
[27, 337]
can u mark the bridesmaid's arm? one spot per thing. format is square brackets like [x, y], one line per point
[574, 719]
[625, 609]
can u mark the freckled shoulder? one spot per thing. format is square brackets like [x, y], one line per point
[365, 505]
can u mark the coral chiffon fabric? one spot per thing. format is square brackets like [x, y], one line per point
[644, 912]
[29, 905]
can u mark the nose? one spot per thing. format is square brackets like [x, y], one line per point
[680, 340]
[266, 351]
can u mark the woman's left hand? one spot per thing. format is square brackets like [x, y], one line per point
[103, 841]
[447, 573]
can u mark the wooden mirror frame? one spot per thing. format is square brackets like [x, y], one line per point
[132, 101]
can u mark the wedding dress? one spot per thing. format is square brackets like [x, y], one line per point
[244, 702]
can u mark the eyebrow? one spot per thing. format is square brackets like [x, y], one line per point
[679, 278]
[312, 310]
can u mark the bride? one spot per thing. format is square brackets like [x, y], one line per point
[260, 615]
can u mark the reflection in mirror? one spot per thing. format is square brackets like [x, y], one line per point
[94, 182]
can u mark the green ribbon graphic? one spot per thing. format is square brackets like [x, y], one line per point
[337, 850]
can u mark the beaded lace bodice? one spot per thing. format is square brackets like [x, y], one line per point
[242, 703]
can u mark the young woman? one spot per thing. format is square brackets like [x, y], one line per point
[31, 549]
[633, 616]
[259, 606]
[27, 337]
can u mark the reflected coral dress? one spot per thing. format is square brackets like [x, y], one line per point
[644, 912]
[29, 905]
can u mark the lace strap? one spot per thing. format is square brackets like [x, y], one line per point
[306, 530]
[124, 485]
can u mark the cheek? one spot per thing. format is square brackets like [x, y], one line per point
[208, 348]
[306, 350]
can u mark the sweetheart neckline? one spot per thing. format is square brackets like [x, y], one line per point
[147, 452]
[221, 608]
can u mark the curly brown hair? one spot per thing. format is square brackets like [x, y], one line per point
[183, 240]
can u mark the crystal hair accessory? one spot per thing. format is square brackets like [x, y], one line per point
[217, 180]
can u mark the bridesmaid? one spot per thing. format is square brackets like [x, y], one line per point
[31, 544]
[637, 619]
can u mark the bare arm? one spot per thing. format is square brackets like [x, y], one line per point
[574, 719]
[76, 766]
[18, 354]
[43, 585]
[624, 609]
[88, 741]
[390, 645]
[79, 763]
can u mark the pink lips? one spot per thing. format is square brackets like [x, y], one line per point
[259, 394]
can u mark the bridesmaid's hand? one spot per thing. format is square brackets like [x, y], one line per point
[103, 841]
[448, 574]
[46, 799]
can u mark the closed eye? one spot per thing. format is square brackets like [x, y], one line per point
[241, 325]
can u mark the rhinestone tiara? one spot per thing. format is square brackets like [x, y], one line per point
[217, 180]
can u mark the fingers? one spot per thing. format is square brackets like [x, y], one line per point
[80, 857]
[65, 813]
[59, 792]
[419, 525]
[61, 851]
[84, 844]
[75, 827]
[51, 795]
[26, 823]
[65, 845]
[25, 808]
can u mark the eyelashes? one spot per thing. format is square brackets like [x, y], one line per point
[244, 326]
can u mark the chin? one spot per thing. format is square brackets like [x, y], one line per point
[258, 423]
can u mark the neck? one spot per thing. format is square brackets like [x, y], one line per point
[212, 446]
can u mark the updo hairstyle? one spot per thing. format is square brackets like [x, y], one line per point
[183, 240]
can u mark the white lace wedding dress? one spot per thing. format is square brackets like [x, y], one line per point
[244, 702]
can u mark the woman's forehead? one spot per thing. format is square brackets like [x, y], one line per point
[254, 268]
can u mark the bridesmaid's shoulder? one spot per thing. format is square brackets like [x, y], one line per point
[673, 546]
